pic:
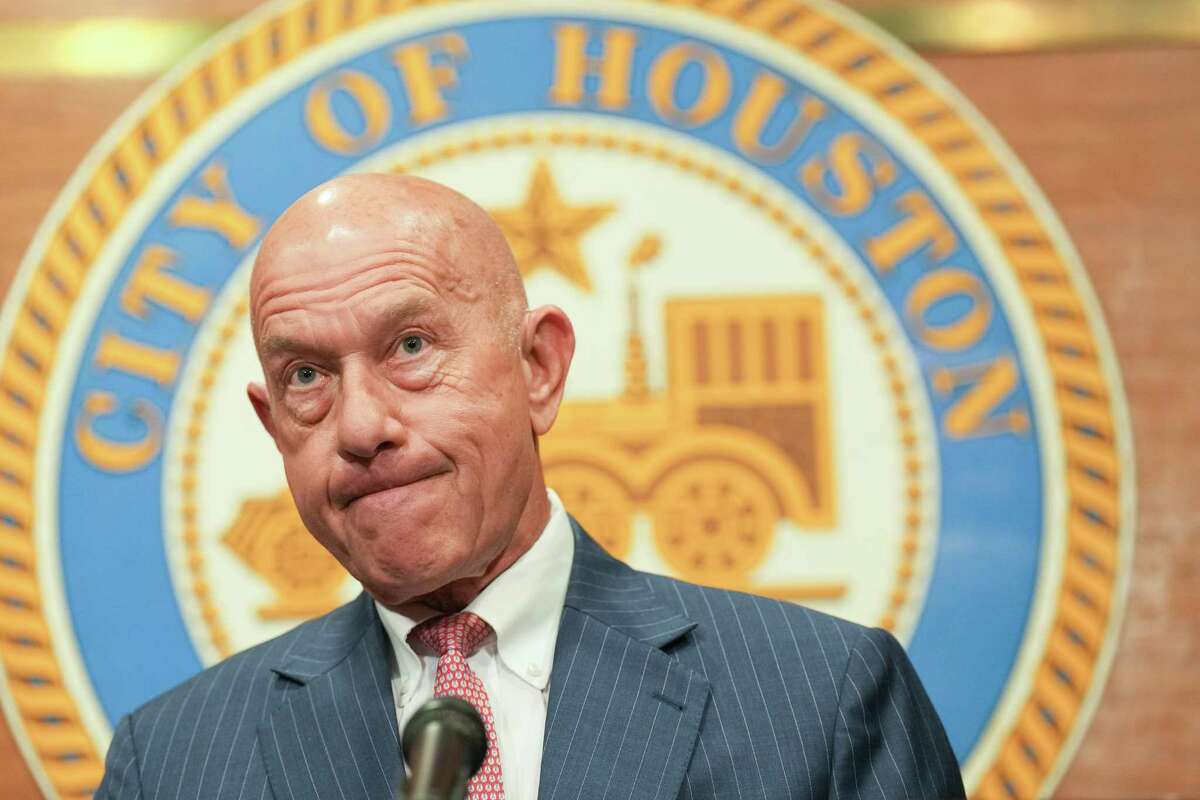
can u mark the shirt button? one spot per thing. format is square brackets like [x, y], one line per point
[533, 671]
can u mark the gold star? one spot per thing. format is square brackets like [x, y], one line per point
[544, 232]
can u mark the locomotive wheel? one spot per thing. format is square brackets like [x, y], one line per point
[600, 502]
[714, 521]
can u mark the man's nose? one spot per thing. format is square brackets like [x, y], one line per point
[369, 417]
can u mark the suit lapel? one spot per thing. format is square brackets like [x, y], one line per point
[623, 715]
[333, 730]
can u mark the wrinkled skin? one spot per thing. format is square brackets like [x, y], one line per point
[406, 384]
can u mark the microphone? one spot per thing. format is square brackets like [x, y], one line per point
[444, 744]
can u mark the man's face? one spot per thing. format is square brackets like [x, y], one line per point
[398, 402]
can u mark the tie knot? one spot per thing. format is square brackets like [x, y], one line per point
[461, 633]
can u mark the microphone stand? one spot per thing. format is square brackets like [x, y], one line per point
[444, 745]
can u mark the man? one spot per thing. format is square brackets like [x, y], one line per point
[406, 385]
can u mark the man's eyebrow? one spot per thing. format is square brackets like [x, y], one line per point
[272, 346]
[391, 316]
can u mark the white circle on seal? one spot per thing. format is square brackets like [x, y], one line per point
[866, 559]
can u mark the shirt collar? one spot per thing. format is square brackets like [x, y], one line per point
[398, 625]
[523, 605]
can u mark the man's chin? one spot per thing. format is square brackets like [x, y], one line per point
[395, 577]
[396, 595]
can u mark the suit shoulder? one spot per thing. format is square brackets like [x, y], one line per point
[762, 621]
[248, 671]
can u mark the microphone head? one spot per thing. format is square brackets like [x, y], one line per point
[450, 726]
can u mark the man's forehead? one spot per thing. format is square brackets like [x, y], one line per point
[349, 264]
[342, 234]
[345, 243]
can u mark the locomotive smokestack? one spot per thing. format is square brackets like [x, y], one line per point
[636, 388]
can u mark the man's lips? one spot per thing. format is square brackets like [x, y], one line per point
[357, 493]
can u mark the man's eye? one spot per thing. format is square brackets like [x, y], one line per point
[412, 345]
[304, 376]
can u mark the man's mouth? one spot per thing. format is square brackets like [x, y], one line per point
[395, 487]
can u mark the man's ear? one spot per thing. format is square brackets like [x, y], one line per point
[257, 393]
[547, 345]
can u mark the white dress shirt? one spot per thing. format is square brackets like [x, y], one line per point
[523, 605]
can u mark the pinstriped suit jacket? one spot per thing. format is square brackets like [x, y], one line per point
[659, 689]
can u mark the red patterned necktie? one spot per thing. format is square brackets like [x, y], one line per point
[455, 638]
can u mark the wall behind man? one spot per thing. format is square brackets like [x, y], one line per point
[1110, 135]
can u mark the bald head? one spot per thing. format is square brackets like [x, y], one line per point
[406, 384]
[338, 224]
